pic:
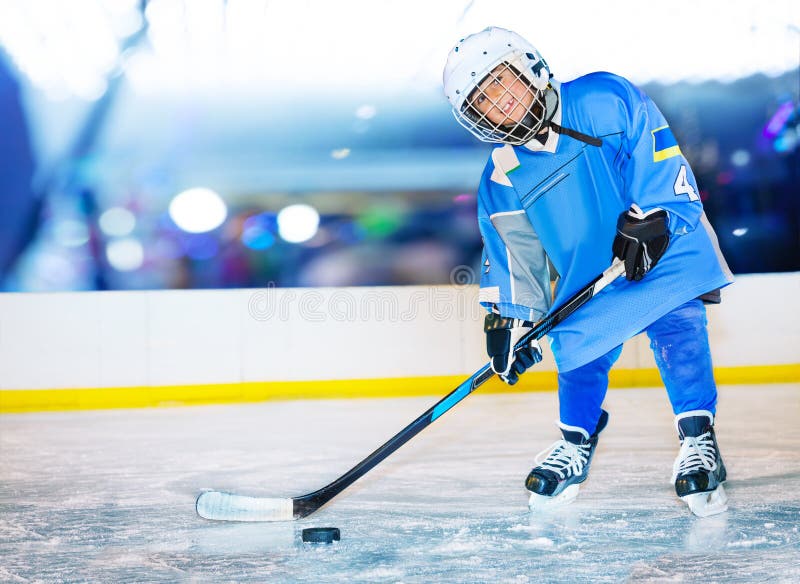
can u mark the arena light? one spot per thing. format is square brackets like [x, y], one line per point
[117, 222]
[257, 231]
[125, 255]
[298, 223]
[198, 210]
[67, 48]
[740, 158]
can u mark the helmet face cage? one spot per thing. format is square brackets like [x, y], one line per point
[490, 96]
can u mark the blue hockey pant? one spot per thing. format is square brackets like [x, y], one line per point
[679, 341]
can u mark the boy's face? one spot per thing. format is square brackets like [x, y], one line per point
[503, 97]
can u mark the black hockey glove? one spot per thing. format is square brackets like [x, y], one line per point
[501, 336]
[642, 238]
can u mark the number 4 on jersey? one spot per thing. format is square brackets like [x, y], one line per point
[683, 187]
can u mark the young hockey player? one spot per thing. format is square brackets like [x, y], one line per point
[585, 171]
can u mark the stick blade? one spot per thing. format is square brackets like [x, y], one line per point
[229, 507]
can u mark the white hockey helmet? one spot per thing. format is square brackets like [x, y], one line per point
[472, 60]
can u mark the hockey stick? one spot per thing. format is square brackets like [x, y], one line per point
[230, 507]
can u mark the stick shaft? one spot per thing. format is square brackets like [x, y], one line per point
[304, 505]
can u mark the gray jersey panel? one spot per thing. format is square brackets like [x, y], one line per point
[530, 276]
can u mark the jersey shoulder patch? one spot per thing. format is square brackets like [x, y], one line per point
[664, 144]
[505, 160]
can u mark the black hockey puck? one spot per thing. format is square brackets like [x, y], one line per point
[321, 534]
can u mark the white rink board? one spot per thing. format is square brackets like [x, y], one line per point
[157, 338]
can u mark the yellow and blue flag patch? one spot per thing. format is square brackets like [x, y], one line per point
[664, 144]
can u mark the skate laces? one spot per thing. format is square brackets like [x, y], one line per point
[696, 453]
[564, 457]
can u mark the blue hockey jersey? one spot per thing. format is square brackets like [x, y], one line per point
[559, 201]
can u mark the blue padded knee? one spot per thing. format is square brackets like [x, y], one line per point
[679, 341]
[581, 391]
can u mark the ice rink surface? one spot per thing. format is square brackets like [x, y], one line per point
[108, 496]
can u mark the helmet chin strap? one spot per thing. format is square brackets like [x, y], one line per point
[551, 105]
[591, 140]
[549, 100]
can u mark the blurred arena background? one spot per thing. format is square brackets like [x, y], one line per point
[242, 143]
[271, 152]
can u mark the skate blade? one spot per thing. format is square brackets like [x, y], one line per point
[544, 503]
[707, 504]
